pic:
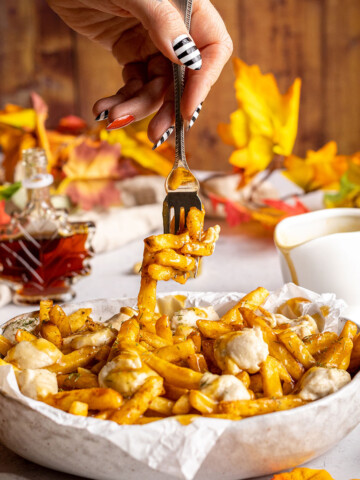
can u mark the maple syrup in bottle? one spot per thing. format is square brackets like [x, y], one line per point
[41, 252]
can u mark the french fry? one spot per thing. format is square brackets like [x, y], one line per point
[349, 330]
[45, 306]
[335, 355]
[153, 339]
[163, 329]
[178, 376]
[355, 354]
[131, 312]
[195, 222]
[256, 383]
[202, 402]
[104, 414]
[197, 362]
[252, 320]
[271, 378]
[159, 272]
[169, 258]
[146, 298]
[96, 398]
[50, 332]
[297, 348]
[98, 366]
[91, 326]
[75, 381]
[318, 342]
[78, 319]
[79, 408]
[176, 353]
[5, 345]
[195, 337]
[132, 410]
[211, 329]
[182, 405]
[128, 333]
[155, 243]
[78, 358]
[198, 249]
[244, 377]
[162, 405]
[261, 406]
[295, 369]
[2, 362]
[103, 353]
[24, 336]
[59, 318]
[174, 393]
[252, 300]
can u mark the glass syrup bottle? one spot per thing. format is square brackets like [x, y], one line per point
[41, 252]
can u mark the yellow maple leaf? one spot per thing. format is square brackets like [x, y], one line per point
[265, 123]
[134, 144]
[321, 169]
[304, 474]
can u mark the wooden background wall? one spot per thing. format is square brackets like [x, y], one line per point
[318, 40]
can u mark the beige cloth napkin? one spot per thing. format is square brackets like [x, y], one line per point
[119, 226]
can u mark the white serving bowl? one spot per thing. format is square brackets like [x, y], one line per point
[251, 447]
[320, 251]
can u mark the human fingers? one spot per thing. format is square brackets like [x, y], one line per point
[145, 102]
[134, 76]
[167, 30]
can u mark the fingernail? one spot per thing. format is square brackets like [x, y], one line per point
[120, 122]
[187, 52]
[102, 116]
[163, 138]
[194, 117]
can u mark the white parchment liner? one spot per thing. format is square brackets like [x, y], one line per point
[167, 446]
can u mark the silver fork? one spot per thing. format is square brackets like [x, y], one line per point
[182, 197]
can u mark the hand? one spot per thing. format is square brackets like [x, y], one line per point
[141, 35]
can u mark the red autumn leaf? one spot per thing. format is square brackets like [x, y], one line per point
[295, 209]
[4, 217]
[72, 125]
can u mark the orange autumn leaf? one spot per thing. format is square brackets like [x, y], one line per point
[91, 194]
[321, 169]
[265, 123]
[304, 474]
[276, 210]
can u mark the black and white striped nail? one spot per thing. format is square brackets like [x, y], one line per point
[194, 117]
[164, 137]
[187, 52]
[102, 116]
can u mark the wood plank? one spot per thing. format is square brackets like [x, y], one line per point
[342, 73]
[207, 151]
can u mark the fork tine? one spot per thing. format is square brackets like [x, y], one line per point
[177, 216]
[166, 216]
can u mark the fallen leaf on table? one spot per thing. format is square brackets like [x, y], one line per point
[277, 210]
[4, 217]
[265, 123]
[321, 169]
[348, 195]
[304, 474]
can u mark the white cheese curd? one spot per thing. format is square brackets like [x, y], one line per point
[223, 388]
[36, 384]
[36, 354]
[319, 382]
[125, 374]
[169, 304]
[246, 349]
[93, 339]
[189, 316]
[117, 320]
[280, 319]
[304, 326]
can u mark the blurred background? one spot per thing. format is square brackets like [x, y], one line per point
[317, 40]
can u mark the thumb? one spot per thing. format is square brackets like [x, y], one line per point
[167, 30]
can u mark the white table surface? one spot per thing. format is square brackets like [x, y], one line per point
[244, 259]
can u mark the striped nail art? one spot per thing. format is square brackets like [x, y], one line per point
[194, 117]
[102, 116]
[187, 52]
[164, 137]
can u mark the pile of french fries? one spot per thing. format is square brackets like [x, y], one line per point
[146, 371]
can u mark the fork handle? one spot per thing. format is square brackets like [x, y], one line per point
[185, 8]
